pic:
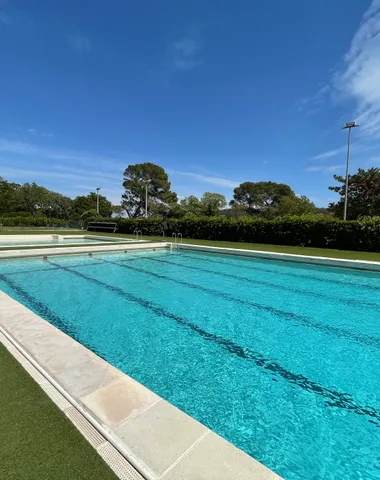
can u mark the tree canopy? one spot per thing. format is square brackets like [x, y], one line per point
[160, 196]
[85, 203]
[363, 194]
[258, 197]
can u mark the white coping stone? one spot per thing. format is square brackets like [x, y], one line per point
[156, 434]
[40, 252]
[327, 261]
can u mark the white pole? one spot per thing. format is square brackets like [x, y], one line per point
[347, 166]
[146, 200]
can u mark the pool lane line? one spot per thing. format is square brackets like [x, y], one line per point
[268, 284]
[306, 277]
[333, 398]
[346, 334]
[303, 320]
[40, 308]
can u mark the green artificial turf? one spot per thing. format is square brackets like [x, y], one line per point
[318, 252]
[37, 441]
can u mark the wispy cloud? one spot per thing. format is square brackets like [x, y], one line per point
[79, 42]
[5, 18]
[31, 150]
[221, 182]
[185, 53]
[314, 103]
[34, 131]
[359, 79]
[329, 153]
[325, 168]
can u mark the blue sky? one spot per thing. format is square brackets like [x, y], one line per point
[216, 92]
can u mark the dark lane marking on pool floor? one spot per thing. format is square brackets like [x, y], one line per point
[301, 319]
[263, 269]
[323, 296]
[333, 398]
[40, 308]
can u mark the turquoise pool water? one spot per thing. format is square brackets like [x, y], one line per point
[281, 359]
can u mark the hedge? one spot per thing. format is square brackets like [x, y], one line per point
[361, 235]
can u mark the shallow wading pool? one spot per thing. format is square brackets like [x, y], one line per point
[281, 359]
[51, 240]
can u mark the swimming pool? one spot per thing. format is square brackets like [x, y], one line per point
[30, 240]
[281, 359]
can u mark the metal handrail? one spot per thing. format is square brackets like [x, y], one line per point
[174, 237]
[137, 232]
[179, 235]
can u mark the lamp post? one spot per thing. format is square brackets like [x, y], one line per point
[97, 199]
[146, 196]
[348, 125]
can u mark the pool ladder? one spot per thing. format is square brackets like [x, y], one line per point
[176, 240]
[137, 233]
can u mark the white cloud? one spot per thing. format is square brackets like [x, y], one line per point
[325, 168]
[185, 53]
[359, 79]
[330, 153]
[78, 42]
[221, 182]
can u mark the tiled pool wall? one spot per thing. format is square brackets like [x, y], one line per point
[159, 440]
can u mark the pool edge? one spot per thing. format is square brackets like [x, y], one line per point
[178, 441]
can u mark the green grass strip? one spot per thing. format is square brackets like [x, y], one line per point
[37, 441]
[317, 252]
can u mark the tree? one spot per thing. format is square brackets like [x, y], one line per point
[160, 196]
[117, 210]
[8, 191]
[38, 200]
[213, 203]
[86, 203]
[258, 197]
[294, 206]
[191, 205]
[363, 194]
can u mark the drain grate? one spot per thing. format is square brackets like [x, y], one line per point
[57, 398]
[85, 427]
[121, 467]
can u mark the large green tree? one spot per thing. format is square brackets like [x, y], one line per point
[363, 194]
[8, 201]
[37, 200]
[87, 203]
[209, 205]
[213, 203]
[259, 197]
[294, 206]
[160, 196]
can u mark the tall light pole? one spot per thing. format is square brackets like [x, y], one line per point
[348, 125]
[146, 196]
[97, 199]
